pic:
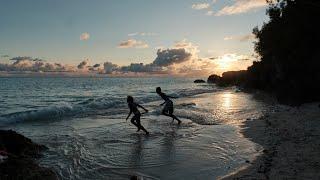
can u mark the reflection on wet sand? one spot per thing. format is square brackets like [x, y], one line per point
[137, 151]
[168, 147]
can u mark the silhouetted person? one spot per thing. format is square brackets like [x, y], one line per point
[136, 114]
[168, 107]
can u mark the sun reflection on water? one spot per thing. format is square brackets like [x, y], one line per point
[227, 100]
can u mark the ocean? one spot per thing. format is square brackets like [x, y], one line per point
[82, 122]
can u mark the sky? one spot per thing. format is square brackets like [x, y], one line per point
[80, 34]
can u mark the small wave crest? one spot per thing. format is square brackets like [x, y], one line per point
[193, 92]
[197, 117]
[87, 107]
[54, 112]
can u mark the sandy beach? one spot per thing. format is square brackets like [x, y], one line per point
[290, 138]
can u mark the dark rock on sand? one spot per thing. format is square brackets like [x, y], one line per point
[19, 145]
[20, 163]
[199, 81]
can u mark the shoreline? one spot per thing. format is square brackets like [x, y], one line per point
[290, 139]
[191, 136]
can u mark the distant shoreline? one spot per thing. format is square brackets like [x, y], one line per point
[89, 75]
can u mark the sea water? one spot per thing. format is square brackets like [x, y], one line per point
[82, 122]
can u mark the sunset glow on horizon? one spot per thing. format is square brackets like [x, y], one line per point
[131, 37]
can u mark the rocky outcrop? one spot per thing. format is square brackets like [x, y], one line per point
[199, 81]
[236, 78]
[214, 79]
[20, 163]
[230, 78]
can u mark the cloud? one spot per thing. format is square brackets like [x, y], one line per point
[167, 60]
[143, 34]
[243, 38]
[181, 51]
[132, 43]
[181, 59]
[83, 64]
[20, 58]
[84, 36]
[5, 56]
[197, 67]
[140, 67]
[171, 56]
[25, 64]
[133, 34]
[188, 46]
[200, 6]
[96, 65]
[109, 67]
[232, 61]
[209, 13]
[29, 64]
[241, 6]
[247, 37]
[227, 38]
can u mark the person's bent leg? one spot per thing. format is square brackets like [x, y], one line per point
[166, 114]
[140, 126]
[173, 116]
[138, 123]
[133, 119]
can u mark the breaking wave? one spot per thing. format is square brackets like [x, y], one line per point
[91, 106]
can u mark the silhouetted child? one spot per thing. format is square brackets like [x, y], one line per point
[136, 114]
[168, 107]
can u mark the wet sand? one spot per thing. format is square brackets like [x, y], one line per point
[290, 138]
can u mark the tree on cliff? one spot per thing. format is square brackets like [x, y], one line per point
[289, 46]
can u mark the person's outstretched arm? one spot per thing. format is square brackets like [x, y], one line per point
[142, 107]
[129, 114]
[162, 103]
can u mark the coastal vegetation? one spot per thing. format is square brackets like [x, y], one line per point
[288, 51]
